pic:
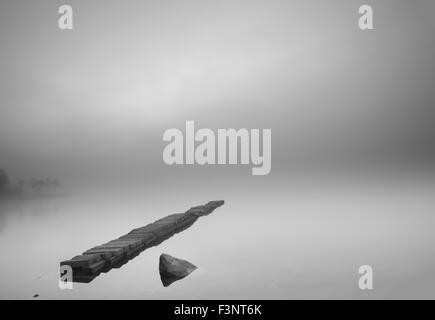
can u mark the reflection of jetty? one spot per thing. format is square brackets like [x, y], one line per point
[117, 252]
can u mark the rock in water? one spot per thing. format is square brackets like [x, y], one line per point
[173, 269]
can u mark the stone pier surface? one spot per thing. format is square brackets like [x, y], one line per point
[115, 253]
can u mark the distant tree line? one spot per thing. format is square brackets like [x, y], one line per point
[35, 184]
[39, 183]
[4, 182]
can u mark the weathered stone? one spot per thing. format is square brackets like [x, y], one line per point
[107, 252]
[172, 269]
[82, 260]
[117, 252]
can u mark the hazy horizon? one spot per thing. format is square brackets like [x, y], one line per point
[352, 118]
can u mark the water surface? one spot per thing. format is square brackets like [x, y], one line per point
[286, 241]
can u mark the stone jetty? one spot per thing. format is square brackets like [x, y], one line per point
[115, 253]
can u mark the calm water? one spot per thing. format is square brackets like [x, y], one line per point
[281, 241]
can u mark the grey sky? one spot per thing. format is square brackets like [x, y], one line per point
[103, 94]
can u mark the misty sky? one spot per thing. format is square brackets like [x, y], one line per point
[103, 94]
